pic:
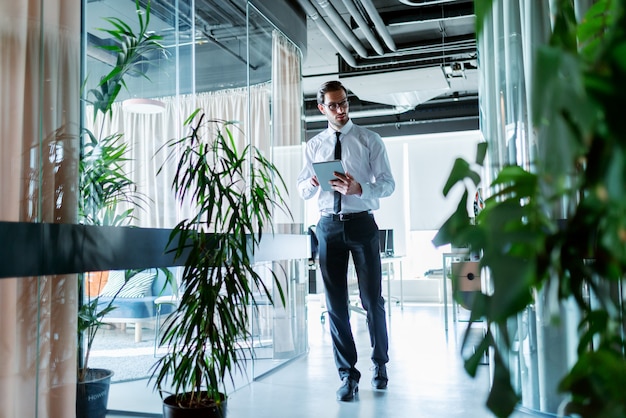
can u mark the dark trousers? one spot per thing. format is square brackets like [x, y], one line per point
[337, 240]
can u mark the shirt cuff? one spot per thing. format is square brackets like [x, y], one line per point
[308, 189]
[366, 191]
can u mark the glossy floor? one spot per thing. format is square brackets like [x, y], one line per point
[427, 379]
[426, 375]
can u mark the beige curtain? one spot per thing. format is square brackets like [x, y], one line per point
[39, 111]
[287, 123]
[287, 134]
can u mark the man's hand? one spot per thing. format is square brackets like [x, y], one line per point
[314, 181]
[346, 184]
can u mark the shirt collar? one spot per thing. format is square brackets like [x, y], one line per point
[346, 128]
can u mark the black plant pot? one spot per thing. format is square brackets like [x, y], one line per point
[171, 409]
[92, 395]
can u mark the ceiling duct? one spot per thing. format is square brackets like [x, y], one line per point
[378, 24]
[427, 54]
[312, 13]
[426, 36]
[362, 24]
[402, 23]
[406, 89]
[419, 44]
[417, 3]
[329, 32]
[343, 27]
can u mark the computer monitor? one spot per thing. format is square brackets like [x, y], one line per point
[386, 242]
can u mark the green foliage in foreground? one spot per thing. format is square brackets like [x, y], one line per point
[578, 88]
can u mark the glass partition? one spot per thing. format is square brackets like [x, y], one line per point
[541, 349]
[230, 61]
[65, 125]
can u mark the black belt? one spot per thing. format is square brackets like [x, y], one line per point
[346, 216]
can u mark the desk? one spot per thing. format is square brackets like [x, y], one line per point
[448, 266]
[388, 264]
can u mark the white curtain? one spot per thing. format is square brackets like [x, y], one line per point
[279, 136]
[39, 111]
[148, 135]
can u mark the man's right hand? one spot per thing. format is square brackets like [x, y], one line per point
[314, 181]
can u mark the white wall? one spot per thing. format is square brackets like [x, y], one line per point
[431, 158]
[421, 165]
[393, 212]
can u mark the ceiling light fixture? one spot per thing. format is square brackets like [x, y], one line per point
[143, 106]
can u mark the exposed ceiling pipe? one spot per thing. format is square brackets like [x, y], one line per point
[311, 12]
[378, 24]
[342, 26]
[368, 61]
[424, 3]
[367, 31]
[448, 48]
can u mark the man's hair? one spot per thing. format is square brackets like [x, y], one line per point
[333, 85]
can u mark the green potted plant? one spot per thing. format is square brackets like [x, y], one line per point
[233, 194]
[103, 185]
[579, 83]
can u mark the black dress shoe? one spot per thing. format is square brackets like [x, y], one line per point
[348, 389]
[379, 380]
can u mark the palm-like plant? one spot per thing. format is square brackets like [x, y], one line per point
[233, 194]
[104, 182]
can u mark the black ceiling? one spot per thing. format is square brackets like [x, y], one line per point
[426, 35]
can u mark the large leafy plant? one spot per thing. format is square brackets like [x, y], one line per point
[103, 180]
[527, 246]
[233, 195]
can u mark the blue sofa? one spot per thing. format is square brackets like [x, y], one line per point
[135, 302]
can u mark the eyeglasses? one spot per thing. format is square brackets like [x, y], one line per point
[334, 106]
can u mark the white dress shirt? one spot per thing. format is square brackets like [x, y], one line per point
[364, 157]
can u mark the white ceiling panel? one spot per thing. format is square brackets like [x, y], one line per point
[406, 88]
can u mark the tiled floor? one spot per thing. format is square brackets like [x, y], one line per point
[426, 375]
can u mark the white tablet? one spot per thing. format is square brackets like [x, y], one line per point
[325, 172]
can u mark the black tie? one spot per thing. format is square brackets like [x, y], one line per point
[337, 157]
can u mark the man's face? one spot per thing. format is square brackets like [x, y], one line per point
[335, 107]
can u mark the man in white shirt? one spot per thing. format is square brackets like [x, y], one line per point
[347, 226]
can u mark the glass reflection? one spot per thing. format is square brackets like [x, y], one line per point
[231, 62]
